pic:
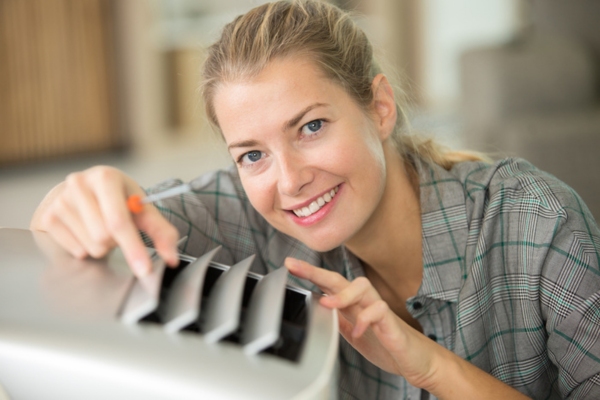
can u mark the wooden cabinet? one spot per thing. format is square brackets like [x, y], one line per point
[58, 82]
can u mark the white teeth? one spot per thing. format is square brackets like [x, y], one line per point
[314, 207]
[317, 204]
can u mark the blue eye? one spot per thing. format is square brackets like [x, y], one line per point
[312, 127]
[251, 157]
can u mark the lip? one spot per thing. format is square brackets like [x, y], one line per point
[319, 215]
[309, 201]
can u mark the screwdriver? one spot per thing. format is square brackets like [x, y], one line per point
[135, 202]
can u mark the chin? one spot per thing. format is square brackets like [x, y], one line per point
[322, 245]
[321, 248]
[321, 239]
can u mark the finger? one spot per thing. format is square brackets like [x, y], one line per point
[346, 327]
[359, 292]
[162, 232]
[39, 220]
[328, 281]
[120, 224]
[71, 221]
[373, 315]
[88, 210]
[65, 238]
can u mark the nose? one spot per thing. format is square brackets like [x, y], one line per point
[294, 174]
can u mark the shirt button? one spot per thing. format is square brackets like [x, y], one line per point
[417, 305]
[432, 337]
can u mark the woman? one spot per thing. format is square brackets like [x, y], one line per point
[452, 276]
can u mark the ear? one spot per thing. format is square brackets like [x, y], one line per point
[384, 106]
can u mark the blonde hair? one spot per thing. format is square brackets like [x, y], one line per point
[331, 39]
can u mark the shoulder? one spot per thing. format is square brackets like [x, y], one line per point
[515, 206]
[513, 174]
[515, 185]
[511, 186]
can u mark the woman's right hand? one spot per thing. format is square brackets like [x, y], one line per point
[87, 214]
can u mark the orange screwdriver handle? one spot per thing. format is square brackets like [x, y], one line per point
[134, 203]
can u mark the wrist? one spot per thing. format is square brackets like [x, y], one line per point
[452, 377]
[443, 365]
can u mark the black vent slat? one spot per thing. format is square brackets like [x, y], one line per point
[182, 306]
[145, 294]
[293, 326]
[263, 319]
[230, 304]
[225, 302]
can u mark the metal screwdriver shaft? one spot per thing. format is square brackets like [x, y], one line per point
[135, 203]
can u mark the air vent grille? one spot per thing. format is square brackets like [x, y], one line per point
[222, 303]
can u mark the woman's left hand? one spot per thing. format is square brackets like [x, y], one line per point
[371, 327]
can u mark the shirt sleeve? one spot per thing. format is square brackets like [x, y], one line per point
[529, 307]
[570, 302]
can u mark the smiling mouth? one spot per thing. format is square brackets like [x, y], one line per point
[317, 204]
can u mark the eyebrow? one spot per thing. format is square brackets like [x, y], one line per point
[287, 125]
[243, 143]
[292, 122]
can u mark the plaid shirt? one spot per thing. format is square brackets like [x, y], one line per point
[511, 275]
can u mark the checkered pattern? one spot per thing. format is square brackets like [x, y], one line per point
[511, 273]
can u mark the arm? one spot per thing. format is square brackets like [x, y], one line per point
[368, 324]
[87, 215]
[570, 303]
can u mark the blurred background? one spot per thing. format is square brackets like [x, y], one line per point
[114, 82]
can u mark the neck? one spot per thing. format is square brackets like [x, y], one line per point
[390, 243]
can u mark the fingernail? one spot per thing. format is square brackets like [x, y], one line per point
[141, 268]
[171, 258]
[80, 255]
[327, 301]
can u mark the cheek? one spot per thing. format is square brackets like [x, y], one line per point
[363, 154]
[374, 145]
[259, 194]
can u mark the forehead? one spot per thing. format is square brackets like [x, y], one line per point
[279, 91]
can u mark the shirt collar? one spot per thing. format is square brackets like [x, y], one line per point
[445, 231]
